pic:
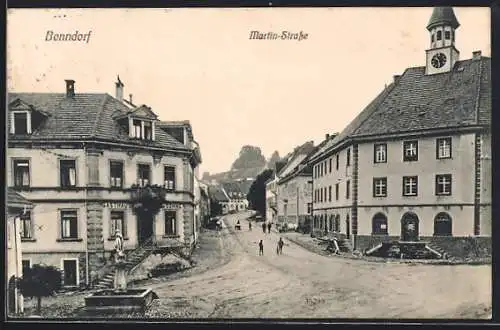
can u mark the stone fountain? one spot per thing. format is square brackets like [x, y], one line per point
[120, 299]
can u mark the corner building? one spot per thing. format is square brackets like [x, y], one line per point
[77, 157]
[415, 164]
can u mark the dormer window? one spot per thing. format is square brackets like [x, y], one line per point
[137, 129]
[141, 129]
[21, 122]
[148, 130]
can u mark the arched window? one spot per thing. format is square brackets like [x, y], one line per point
[442, 224]
[379, 224]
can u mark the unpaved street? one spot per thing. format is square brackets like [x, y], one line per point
[301, 284]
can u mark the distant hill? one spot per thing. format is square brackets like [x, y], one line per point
[249, 163]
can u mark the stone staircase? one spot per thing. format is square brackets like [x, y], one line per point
[133, 259]
[406, 250]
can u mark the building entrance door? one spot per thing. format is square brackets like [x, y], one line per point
[409, 227]
[144, 227]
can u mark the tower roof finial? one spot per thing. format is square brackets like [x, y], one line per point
[443, 16]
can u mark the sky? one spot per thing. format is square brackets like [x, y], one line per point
[200, 65]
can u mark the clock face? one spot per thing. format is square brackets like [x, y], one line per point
[438, 60]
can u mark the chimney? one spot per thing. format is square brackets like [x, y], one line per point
[396, 78]
[130, 99]
[70, 88]
[327, 136]
[119, 89]
[476, 55]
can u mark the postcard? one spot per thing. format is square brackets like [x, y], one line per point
[249, 163]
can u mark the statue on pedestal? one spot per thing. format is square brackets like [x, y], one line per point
[120, 283]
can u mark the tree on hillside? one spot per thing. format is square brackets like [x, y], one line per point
[249, 157]
[40, 281]
[215, 208]
[273, 159]
[257, 194]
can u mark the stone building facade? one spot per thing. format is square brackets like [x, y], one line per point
[77, 157]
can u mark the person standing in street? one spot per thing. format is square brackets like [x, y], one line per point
[264, 227]
[249, 225]
[280, 246]
[269, 227]
[261, 248]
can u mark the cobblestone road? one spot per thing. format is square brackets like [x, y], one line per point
[301, 284]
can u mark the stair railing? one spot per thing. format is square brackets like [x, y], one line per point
[109, 266]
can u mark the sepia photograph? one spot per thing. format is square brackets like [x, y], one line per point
[248, 163]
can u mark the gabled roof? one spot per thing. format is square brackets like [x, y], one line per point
[417, 102]
[16, 200]
[86, 116]
[217, 194]
[296, 158]
[142, 111]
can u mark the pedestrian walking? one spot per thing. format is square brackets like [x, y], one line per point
[261, 248]
[280, 246]
[269, 227]
[249, 225]
[264, 227]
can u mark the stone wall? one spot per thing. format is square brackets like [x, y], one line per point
[460, 247]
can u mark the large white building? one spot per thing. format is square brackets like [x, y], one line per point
[415, 164]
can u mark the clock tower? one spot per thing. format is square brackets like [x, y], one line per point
[442, 55]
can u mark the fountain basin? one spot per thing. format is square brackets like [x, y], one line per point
[110, 301]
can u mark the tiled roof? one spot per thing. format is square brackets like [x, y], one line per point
[15, 199]
[217, 194]
[85, 116]
[415, 102]
[240, 188]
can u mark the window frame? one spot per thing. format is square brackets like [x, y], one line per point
[139, 180]
[410, 158]
[447, 35]
[348, 189]
[22, 219]
[60, 162]
[122, 178]
[439, 35]
[15, 161]
[374, 189]
[28, 124]
[438, 184]
[348, 157]
[112, 230]
[415, 177]
[147, 124]
[337, 191]
[61, 236]
[174, 186]
[447, 140]
[134, 127]
[337, 161]
[176, 229]
[375, 153]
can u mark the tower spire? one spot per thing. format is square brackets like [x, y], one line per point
[443, 16]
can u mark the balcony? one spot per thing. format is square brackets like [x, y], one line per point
[148, 199]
